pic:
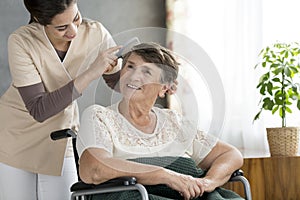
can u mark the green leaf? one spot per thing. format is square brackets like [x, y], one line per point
[269, 87]
[275, 109]
[263, 89]
[278, 93]
[264, 77]
[294, 88]
[286, 54]
[277, 71]
[280, 112]
[278, 99]
[261, 52]
[276, 87]
[287, 71]
[268, 104]
[298, 104]
[288, 109]
[257, 116]
[288, 103]
[295, 70]
[274, 65]
[259, 85]
[276, 79]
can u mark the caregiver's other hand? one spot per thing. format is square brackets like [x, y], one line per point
[172, 88]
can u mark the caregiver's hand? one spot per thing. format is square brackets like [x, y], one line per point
[105, 62]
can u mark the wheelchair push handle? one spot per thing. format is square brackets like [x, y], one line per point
[64, 133]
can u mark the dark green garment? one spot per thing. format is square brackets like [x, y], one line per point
[162, 192]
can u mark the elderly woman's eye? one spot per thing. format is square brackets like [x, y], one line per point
[147, 71]
[129, 66]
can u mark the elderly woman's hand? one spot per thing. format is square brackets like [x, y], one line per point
[187, 186]
[208, 185]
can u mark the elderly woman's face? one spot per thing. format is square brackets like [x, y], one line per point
[140, 80]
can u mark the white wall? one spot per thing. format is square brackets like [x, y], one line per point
[117, 15]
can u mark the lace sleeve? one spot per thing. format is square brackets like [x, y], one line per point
[94, 132]
[202, 145]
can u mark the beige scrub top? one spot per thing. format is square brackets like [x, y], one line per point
[24, 142]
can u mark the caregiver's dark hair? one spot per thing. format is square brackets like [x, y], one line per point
[43, 11]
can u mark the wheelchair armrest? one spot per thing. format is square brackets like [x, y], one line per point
[122, 181]
[238, 175]
[237, 172]
[64, 133]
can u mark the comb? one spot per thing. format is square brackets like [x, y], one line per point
[127, 46]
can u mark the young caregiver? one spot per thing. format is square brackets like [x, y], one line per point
[45, 59]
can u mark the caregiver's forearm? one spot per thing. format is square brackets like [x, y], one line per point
[42, 105]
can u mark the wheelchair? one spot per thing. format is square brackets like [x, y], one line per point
[80, 190]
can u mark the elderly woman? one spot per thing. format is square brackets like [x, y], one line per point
[111, 138]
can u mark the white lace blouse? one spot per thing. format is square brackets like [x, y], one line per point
[104, 127]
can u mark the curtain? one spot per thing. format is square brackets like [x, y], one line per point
[230, 32]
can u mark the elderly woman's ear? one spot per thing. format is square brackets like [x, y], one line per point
[172, 88]
[163, 91]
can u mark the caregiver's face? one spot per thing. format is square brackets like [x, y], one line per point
[64, 26]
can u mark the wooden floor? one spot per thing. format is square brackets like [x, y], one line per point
[271, 178]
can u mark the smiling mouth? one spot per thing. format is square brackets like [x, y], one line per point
[71, 36]
[133, 87]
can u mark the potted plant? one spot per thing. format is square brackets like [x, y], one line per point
[280, 93]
